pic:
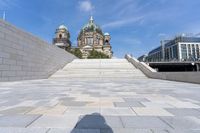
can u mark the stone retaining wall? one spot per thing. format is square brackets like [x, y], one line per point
[190, 77]
[24, 56]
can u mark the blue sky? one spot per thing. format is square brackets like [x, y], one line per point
[136, 26]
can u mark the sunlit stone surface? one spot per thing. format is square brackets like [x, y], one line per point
[99, 96]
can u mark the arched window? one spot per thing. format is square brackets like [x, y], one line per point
[60, 36]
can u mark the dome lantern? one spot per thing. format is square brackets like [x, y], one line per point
[62, 27]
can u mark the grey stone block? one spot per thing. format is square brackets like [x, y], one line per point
[136, 100]
[143, 122]
[4, 67]
[4, 55]
[182, 122]
[2, 35]
[23, 130]
[128, 104]
[9, 61]
[74, 131]
[8, 73]
[15, 68]
[24, 50]
[17, 120]
[175, 131]
[1, 61]
[184, 112]
[130, 130]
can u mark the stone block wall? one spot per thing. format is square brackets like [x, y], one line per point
[25, 57]
[189, 77]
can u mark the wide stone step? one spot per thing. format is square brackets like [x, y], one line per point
[99, 60]
[94, 75]
[99, 68]
[102, 74]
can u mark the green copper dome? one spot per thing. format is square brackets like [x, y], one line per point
[91, 27]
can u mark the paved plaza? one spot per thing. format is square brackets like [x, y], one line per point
[99, 96]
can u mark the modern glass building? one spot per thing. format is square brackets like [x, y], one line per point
[181, 48]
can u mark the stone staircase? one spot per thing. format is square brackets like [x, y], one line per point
[99, 68]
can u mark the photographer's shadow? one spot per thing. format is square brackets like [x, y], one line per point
[92, 123]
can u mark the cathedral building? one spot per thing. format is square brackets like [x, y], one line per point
[91, 37]
[62, 37]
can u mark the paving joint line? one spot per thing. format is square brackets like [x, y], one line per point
[134, 111]
[122, 121]
[48, 130]
[33, 121]
[166, 122]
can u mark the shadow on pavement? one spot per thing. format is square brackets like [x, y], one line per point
[92, 123]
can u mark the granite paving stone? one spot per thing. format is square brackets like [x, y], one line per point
[138, 122]
[55, 121]
[128, 104]
[23, 130]
[17, 120]
[188, 122]
[183, 112]
[16, 110]
[130, 130]
[117, 111]
[99, 96]
[151, 111]
[74, 131]
[82, 110]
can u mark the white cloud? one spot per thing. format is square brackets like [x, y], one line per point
[119, 23]
[86, 6]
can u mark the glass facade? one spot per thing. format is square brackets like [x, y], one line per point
[175, 52]
[193, 51]
[179, 49]
[198, 54]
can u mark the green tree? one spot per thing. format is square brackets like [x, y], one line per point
[77, 52]
[97, 55]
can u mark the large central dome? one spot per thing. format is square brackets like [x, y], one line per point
[91, 38]
[91, 27]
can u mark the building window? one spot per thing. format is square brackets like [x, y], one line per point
[170, 53]
[60, 36]
[167, 54]
[189, 50]
[198, 56]
[193, 52]
[184, 51]
[90, 41]
[175, 52]
[97, 40]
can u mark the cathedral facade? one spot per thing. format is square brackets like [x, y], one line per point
[91, 37]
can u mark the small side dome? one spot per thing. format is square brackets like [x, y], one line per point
[62, 27]
[106, 34]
